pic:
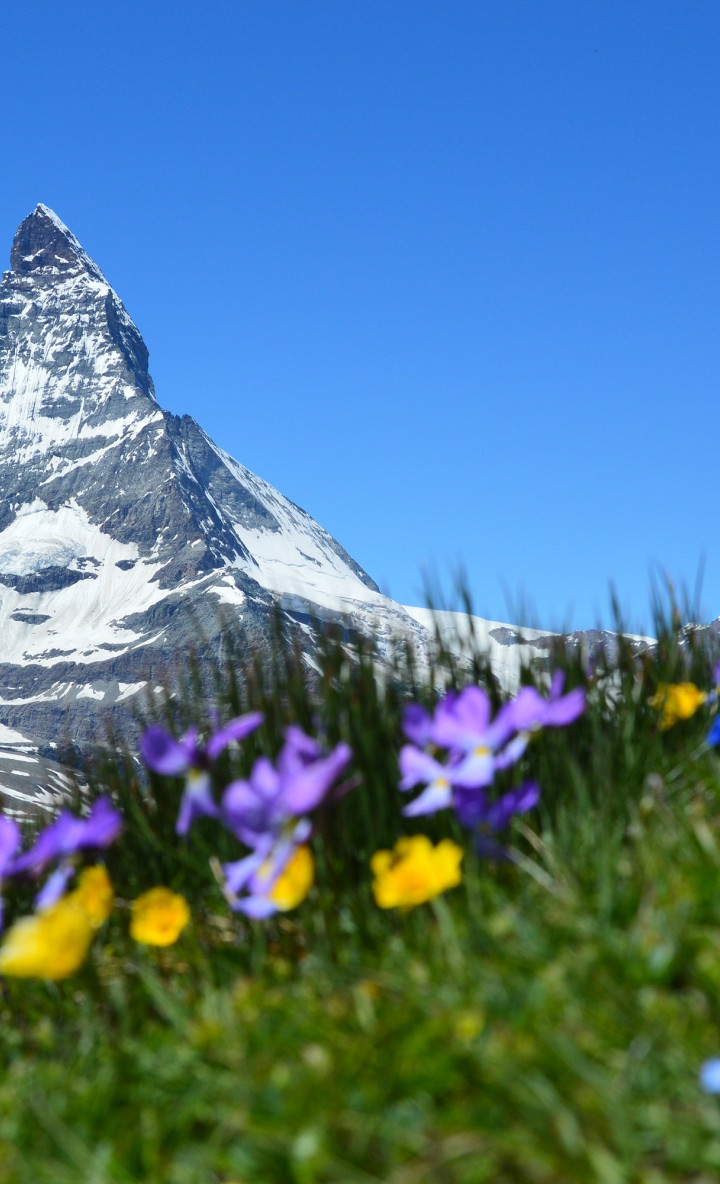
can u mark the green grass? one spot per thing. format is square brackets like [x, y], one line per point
[543, 1022]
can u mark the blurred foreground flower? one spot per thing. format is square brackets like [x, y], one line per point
[54, 941]
[164, 754]
[478, 748]
[9, 843]
[276, 891]
[269, 814]
[713, 736]
[62, 840]
[710, 1076]
[414, 871]
[50, 944]
[158, 917]
[677, 701]
[95, 894]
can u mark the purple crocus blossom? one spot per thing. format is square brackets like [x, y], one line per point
[164, 754]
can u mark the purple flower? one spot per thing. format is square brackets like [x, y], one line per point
[474, 810]
[462, 723]
[62, 839]
[9, 843]
[478, 747]
[164, 754]
[269, 814]
[417, 724]
[256, 874]
[419, 768]
[530, 711]
[262, 806]
[68, 835]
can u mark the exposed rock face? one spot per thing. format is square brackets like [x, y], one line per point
[123, 527]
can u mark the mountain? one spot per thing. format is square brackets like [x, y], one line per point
[126, 533]
[124, 528]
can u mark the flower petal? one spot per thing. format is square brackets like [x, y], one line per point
[302, 791]
[197, 800]
[236, 729]
[164, 754]
[418, 768]
[54, 887]
[517, 801]
[9, 841]
[417, 724]
[435, 797]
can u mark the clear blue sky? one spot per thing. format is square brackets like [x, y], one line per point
[446, 273]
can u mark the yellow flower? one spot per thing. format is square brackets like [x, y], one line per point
[50, 944]
[95, 893]
[291, 888]
[158, 917]
[414, 871]
[677, 701]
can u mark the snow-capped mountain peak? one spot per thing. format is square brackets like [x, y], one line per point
[43, 243]
[124, 530]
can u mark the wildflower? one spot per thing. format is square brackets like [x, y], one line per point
[62, 839]
[529, 712]
[420, 768]
[95, 893]
[710, 1076]
[462, 724]
[474, 810]
[158, 917]
[50, 944]
[417, 724]
[266, 806]
[9, 843]
[269, 814]
[293, 884]
[414, 871]
[164, 754]
[275, 885]
[68, 835]
[677, 701]
[713, 736]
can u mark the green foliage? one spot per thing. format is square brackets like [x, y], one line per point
[543, 1023]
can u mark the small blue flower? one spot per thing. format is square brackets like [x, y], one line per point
[710, 1076]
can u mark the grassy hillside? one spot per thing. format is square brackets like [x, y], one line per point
[543, 1021]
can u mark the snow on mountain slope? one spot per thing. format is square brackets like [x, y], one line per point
[508, 647]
